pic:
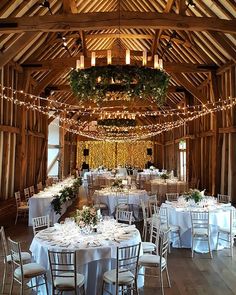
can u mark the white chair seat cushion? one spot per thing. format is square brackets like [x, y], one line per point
[124, 278]
[151, 260]
[200, 232]
[30, 270]
[123, 206]
[68, 283]
[23, 207]
[227, 230]
[25, 256]
[100, 206]
[148, 247]
[173, 228]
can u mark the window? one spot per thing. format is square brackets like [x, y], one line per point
[182, 159]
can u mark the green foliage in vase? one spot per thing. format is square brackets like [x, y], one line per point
[165, 176]
[86, 216]
[194, 194]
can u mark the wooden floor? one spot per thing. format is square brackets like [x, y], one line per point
[198, 276]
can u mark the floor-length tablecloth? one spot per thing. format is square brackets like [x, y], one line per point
[219, 217]
[96, 252]
[40, 204]
[110, 197]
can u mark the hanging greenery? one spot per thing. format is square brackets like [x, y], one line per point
[66, 194]
[96, 83]
[117, 122]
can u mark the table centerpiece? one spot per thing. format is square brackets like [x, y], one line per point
[195, 195]
[164, 176]
[117, 185]
[86, 218]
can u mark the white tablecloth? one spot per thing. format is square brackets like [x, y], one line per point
[95, 174]
[219, 217]
[94, 251]
[40, 204]
[109, 197]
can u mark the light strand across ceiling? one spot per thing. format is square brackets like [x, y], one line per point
[55, 105]
[135, 135]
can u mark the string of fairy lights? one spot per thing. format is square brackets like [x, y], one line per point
[113, 133]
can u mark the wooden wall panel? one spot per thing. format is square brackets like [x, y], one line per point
[22, 136]
[211, 139]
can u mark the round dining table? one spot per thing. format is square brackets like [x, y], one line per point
[109, 196]
[96, 251]
[179, 215]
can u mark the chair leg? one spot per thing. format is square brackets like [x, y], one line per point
[83, 288]
[102, 287]
[217, 242]
[161, 282]
[12, 282]
[4, 277]
[169, 249]
[16, 218]
[22, 288]
[180, 244]
[209, 246]
[145, 232]
[46, 283]
[168, 277]
[136, 287]
[192, 246]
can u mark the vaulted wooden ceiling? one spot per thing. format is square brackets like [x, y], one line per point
[194, 40]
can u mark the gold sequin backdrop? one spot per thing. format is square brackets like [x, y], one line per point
[112, 154]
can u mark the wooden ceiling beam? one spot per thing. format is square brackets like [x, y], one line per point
[169, 6]
[156, 42]
[69, 6]
[63, 63]
[104, 20]
[181, 7]
[158, 32]
[189, 87]
[84, 44]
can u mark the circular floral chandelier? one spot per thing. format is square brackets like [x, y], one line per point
[124, 82]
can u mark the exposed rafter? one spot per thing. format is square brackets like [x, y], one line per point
[108, 20]
[13, 50]
[189, 87]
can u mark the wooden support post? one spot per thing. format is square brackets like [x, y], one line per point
[62, 149]
[189, 100]
[217, 138]
[233, 138]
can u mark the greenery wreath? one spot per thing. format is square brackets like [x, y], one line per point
[96, 83]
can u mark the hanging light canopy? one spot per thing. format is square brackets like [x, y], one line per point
[119, 82]
[122, 82]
